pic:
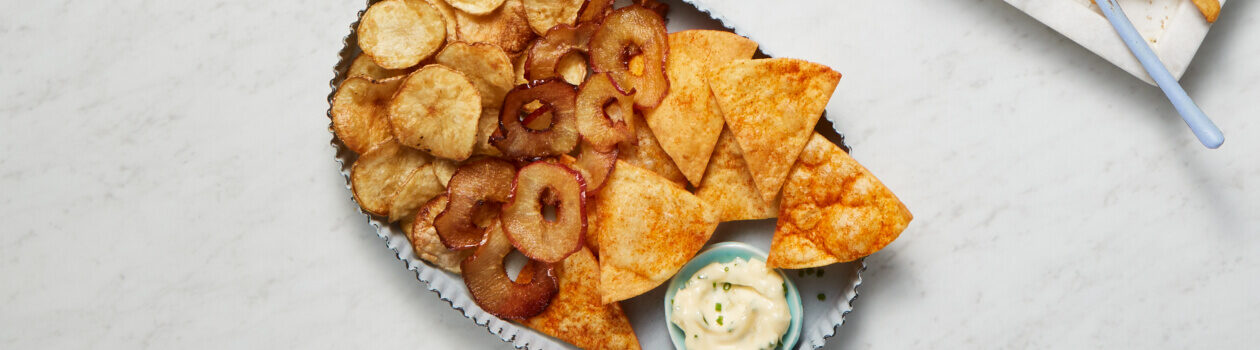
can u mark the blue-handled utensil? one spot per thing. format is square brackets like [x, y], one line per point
[1203, 128]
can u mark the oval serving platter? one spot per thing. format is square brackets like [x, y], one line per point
[827, 294]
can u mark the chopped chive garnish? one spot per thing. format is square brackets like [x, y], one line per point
[714, 285]
[717, 307]
[726, 268]
[726, 286]
[719, 320]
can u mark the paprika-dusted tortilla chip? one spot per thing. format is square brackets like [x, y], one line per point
[358, 112]
[399, 34]
[436, 110]
[1211, 9]
[833, 210]
[688, 121]
[424, 238]
[772, 105]
[729, 187]
[544, 14]
[378, 174]
[647, 153]
[420, 187]
[647, 228]
[578, 316]
[485, 65]
[364, 67]
[505, 27]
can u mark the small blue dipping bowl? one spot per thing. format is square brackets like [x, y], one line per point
[723, 253]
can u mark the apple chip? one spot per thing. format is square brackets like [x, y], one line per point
[648, 153]
[476, 7]
[505, 27]
[443, 169]
[647, 228]
[487, 66]
[833, 210]
[399, 34]
[1211, 9]
[518, 69]
[420, 187]
[436, 110]
[688, 121]
[729, 187]
[577, 315]
[358, 112]
[378, 174]
[363, 67]
[772, 106]
[424, 238]
[448, 16]
[544, 14]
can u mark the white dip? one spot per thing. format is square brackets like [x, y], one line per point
[736, 305]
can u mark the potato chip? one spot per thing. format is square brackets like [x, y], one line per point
[729, 187]
[1211, 9]
[648, 153]
[647, 228]
[378, 174]
[364, 67]
[448, 16]
[358, 112]
[544, 14]
[398, 34]
[577, 315]
[772, 106]
[486, 125]
[476, 7]
[833, 210]
[572, 68]
[487, 66]
[518, 68]
[419, 188]
[505, 27]
[425, 241]
[688, 121]
[443, 169]
[436, 110]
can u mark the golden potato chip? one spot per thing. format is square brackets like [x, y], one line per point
[398, 34]
[518, 68]
[647, 228]
[576, 314]
[476, 7]
[486, 125]
[544, 14]
[358, 112]
[419, 188]
[425, 241]
[688, 121]
[362, 66]
[378, 174]
[648, 153]
[772, 106]
[448, 17]
[833, 210]
[487, 66]
[436, 110]
[505, 27]
[572, 68]
[729, 187]
[1211, 9]
[443, 169]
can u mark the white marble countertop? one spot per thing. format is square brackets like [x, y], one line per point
[166, 181]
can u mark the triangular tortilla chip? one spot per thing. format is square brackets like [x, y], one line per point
[576, 314]
[688, 121]
[772, 106]
[647, 153]
[729, 187]
[648, 228]
[833, 210]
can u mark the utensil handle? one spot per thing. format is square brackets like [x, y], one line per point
[1199, 123]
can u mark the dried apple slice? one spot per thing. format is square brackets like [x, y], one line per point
[495, 292]
[603, 112]
[436, 110]
[631, 45]
[475, 191]
[531, 232]
[594, 10]
[399, 34]
[516, 140]
[656, 6]
[595, 167]
[548, 53]
[358, 116]
[425, 241]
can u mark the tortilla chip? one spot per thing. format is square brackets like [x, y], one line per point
[833, 210]
[688, 121]
[1211, 9]
[647, 229]
[576, 314]
[729, 187]
[648, 153]
[772, 106]
[424, 238]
